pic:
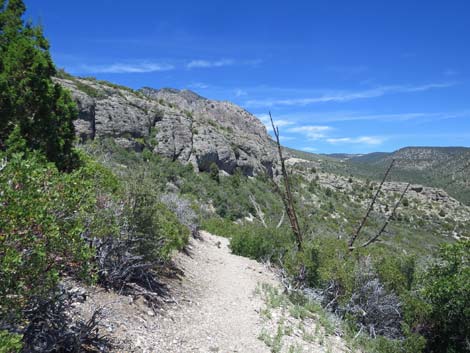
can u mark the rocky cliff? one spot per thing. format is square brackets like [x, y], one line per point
[180, 125]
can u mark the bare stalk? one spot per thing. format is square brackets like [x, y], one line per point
[371, 206]
[259, 213]
[287, 195]
[382, 230]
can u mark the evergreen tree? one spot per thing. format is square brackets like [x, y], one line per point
[214, 172]
[29, 99]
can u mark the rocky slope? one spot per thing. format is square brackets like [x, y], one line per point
[419, 158]
[433, 205]
[447, 168]
[180, 125]
[184, 126]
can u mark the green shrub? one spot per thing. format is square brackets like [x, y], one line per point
[220, 226]
[257, 242]
[447, 291]
[156, 229]
[214, 172]
[10, 342]
[43, 217]
[304, 263]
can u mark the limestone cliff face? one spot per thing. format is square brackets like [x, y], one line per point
[184, 125]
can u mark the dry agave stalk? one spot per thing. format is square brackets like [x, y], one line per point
[286, 195]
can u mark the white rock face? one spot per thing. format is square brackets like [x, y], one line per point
[186, 126]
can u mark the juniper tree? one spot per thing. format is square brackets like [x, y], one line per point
[29, 99]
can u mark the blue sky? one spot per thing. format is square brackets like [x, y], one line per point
[338, 76]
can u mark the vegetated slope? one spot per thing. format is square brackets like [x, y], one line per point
[441, 167]
[119, 228]
[179, 125]
[330, 206]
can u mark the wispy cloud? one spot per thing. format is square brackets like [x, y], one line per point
[345, 96]
[145, 66]
[124, 68]
[199, 64]
[309, 149]
[240, 92]
[208, 64]
[279, 122]
[313, 132]
[366, 140]
[198, 85]
[340, 116]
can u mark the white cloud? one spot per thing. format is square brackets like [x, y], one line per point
[309, 149]
[124, 68]
[200, 85]
[313, 132]
[199, 64]
[254, 62]
[286, 138]
[240, 92]
[366, 140]
[338, 116]
[279, 123]
[346, 96]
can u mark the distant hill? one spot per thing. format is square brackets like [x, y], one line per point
[184, 126]
[444, 167]
[343, 155]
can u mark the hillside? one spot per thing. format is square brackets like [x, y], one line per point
[183, 126]
[442, 167]
[188, 128]
[447, 168]
[179, 125]
[158, 220]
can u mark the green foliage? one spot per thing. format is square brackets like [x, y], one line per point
[88, 89]
[447, 291]
[257, 242]
[43, 217]
[305, 263]
[220, 226]
[214, 172]
[10, 342]
[29, 99]
[326, 260]
[157, 229]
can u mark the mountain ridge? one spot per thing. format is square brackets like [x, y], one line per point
[182, 125]
[178, 124]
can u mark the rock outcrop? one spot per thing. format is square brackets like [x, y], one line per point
[180, 125]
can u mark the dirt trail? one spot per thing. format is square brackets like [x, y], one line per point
[217, 306]
[224, 316]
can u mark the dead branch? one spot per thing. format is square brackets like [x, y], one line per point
[3, 164]
[287, 195]
[281, 220]
[382, 230]
[371, 206]
[259, 213]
